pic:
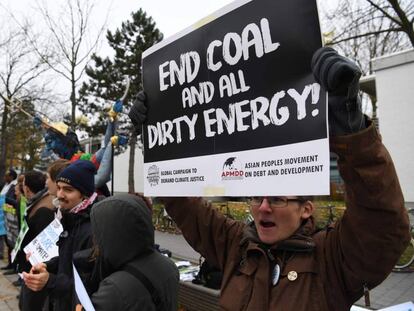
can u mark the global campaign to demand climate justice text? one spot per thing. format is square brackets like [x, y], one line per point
[233, 107]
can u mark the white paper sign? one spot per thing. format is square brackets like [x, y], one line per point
[43, 247]
[81, 291]
[407, 306]
[219, 179]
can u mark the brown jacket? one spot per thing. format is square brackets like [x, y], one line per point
[44, 201]
[331, 266]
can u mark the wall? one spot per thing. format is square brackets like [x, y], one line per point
[395, 93]
[121, 164]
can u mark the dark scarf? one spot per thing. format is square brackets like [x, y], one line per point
[279, 253]
[300, 241]
[34, 200]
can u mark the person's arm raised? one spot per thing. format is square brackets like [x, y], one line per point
[365, 244]
[208, 231]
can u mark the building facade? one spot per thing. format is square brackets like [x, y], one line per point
[394, 78]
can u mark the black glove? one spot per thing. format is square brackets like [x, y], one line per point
[138, 112]
[340, 77]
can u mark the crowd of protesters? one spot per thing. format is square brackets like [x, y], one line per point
[279, 261]
[118, 273]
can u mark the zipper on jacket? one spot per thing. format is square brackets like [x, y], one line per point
[270, 255]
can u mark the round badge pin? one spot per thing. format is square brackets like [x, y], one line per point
[292, 275]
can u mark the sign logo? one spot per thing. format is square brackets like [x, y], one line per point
[232, 170]
[153, 175]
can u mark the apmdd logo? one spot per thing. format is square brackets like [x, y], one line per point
[232, 170]
[153, 175]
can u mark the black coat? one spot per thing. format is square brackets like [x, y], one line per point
[123, 230]
[39, 214]
[76, 236]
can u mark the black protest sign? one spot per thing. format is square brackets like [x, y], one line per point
[242, 81]
[12, 223]
[238, 83]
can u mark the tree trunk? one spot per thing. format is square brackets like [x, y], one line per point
[406, 24]
[73, 98]
[132, 146]
[11, 156]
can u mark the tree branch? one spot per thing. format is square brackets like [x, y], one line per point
[384, 12]
[366, 34]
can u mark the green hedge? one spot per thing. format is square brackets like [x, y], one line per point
[240, 211]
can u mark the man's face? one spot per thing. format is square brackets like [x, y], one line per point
[68, 196]
[26, 191]
[51, 185]
[276, 224]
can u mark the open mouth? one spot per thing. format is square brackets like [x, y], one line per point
[267, 224]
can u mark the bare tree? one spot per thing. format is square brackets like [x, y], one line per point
[363, 30]
[366, 29]
[20, 73]
[399, 13]
[360, 19]
[71, 41]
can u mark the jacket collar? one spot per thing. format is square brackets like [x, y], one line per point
[37, 196]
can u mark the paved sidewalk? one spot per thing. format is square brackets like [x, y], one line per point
[177, 245]
[8, 292]
[397, 288]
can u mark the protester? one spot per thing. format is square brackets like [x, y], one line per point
[8, 192]
[280, 261]
[20, 198]
[39, 214]
[19, 209]
[131, 274]
[75, 192]
[10, 181]
[11, 210]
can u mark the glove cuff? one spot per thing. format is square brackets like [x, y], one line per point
[345, 116]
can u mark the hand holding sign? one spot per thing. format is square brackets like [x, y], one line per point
[339, 76]
[138, 112]
[37, 278]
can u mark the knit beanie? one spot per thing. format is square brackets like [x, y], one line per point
[80, 175]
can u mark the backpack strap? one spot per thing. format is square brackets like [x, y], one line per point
[156, 299]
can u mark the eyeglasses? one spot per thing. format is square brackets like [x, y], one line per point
[277, 202]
